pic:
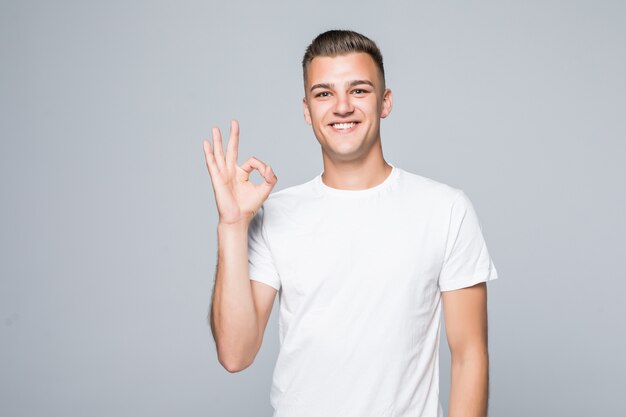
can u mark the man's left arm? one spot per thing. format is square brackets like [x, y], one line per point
[465, 314]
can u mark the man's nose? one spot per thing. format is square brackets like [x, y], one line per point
[343, 105]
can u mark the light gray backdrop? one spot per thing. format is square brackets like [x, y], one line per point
[108, 220]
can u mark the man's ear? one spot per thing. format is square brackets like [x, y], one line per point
[387, 103]
[305, 109]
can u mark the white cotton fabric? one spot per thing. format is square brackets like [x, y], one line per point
[360, 275]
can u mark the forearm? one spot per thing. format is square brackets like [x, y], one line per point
[234, 320]
[469, 388]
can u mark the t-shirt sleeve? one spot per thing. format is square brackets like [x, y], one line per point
[466, 260]
[260, 263]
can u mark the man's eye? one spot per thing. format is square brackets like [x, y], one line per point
[358, 91]
[323, 94]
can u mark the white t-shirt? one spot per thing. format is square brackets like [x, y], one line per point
[359, 274]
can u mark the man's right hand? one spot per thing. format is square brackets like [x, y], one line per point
[237, 198]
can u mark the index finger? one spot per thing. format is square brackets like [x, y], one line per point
[233, 143]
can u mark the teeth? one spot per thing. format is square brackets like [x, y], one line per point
[343, 125]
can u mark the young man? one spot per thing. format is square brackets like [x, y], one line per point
[362, 256]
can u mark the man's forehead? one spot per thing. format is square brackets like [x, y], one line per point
[342, 68]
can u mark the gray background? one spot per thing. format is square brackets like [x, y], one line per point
[108, 220]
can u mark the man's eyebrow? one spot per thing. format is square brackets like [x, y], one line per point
[358, 82]
[349, 84]
[322, 85]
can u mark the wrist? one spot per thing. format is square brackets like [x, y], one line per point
[239, 224]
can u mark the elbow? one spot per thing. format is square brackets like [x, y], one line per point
[236, 353]
[232, 363]
[234, 367]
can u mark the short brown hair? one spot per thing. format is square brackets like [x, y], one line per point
[341, 42]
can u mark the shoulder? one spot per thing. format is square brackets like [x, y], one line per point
[291, 195]
[289, 201]
[427, 190]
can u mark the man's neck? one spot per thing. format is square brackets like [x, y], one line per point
[355, 175]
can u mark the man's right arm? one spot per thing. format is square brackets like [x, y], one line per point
[241, 307]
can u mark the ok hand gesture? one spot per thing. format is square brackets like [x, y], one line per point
[237, 198]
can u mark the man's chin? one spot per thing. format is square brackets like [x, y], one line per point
[342, 155]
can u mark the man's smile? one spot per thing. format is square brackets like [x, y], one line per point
[344, 127]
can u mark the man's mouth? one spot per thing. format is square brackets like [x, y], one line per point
[344, 126]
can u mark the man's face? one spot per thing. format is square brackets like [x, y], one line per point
[344, 102]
